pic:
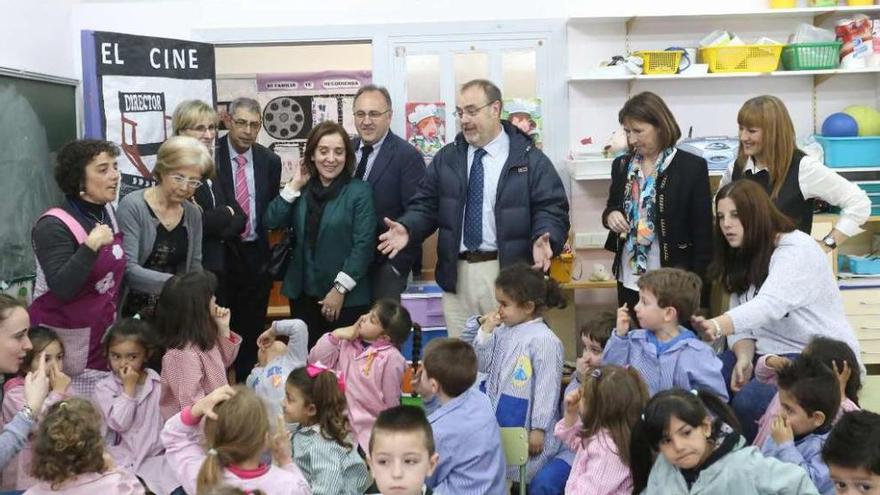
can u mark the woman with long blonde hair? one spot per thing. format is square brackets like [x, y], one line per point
[769, 155]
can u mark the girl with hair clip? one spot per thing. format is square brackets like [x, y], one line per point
[702, 451]
[236, 433]
[368, 355]
[323, 449]
[832, 353]
[47, 354]
[200, 346]
[522, 359]
[596, 426]
[69, 454]
[769, 156]
[129, 402]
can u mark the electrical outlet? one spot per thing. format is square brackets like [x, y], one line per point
[589, 240]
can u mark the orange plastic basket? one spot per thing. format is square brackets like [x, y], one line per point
[660, 61]
[743, 58]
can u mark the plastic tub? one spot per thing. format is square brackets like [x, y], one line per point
[783, 4]
[859, 3]
[660, 61]
[743, 58]
[851, 151]
[812, 56]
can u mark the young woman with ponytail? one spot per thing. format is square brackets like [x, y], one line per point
[236, 433]
[701, 450]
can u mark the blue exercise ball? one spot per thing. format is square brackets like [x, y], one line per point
[840, 125]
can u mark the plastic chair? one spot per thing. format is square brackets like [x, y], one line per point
[515, 442]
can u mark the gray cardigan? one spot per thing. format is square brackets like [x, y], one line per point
[139, 234]
[798, 300]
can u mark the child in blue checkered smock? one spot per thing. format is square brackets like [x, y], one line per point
[522, 359]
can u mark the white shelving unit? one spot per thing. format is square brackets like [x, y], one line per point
[724, 75]
[819, 13]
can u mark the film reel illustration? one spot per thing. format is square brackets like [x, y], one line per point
[288, 117]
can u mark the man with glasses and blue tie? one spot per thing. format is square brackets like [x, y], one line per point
[496, 200]
[394, 168]
[251, 175]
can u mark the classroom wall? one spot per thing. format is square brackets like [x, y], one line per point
[34, 37]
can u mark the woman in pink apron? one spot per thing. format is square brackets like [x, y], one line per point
[80, 261]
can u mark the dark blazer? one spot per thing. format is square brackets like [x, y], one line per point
[267, 182]
[346, 242]
[530, 201]
[395, 176]
[684, 213]
[218, 224]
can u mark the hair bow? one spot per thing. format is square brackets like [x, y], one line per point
[316, 368]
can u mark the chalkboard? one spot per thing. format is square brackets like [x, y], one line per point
[36, 118]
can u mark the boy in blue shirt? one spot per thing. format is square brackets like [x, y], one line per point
[667, 354]
[852, 452]
[463, 421]
[810, 397]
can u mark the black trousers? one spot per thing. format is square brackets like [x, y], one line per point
[307, 309]
[248, 286]
[631, 298]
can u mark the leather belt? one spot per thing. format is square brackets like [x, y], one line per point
[478, 256]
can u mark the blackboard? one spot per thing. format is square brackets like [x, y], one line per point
[37, 116]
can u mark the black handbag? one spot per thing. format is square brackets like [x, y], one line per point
[279, 258]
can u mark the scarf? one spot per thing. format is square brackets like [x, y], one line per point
[639, 208]
[724, 445]
[317, 197]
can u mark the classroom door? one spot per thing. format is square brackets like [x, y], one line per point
[426, 75]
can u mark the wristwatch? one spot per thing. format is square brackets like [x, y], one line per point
[28, 413]
[340, 288]
[829, 241]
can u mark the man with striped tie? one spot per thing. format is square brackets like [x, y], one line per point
[496, 200]
[251, 174]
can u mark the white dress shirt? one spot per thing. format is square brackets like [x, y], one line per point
[493, 165]
[820, 182]
[370, 159]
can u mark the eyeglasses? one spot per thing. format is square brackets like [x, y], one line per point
[373, 115]
[201, 129]
[240, 123]
[183, 181]
[470, 111]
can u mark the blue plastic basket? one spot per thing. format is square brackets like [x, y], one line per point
[851, 151]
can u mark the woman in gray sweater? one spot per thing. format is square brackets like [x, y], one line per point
[783, 293]
[162, 227]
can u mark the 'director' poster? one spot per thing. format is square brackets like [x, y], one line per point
[131, 86]
[294, 103]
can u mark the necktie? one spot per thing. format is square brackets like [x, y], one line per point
[242, 196]
[473, 212]
[362, 165]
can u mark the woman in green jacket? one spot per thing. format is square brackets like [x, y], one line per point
[702, 451]
[333, 234]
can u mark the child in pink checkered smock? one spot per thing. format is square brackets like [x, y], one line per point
[200, 345]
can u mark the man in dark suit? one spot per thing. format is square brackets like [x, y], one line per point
[251, 176]
[394, 168]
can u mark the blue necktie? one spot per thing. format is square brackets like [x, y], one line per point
[473, 212]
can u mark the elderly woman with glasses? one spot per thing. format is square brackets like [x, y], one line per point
[162, 227]
[222, 217]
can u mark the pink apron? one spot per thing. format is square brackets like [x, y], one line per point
[82, 321]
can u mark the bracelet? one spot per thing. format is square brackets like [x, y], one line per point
[718, 331]
[28, 413]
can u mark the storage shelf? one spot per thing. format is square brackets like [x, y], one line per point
[589, 284]
[583, 16]
[726, 75]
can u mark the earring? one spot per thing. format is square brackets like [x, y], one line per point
[82, 193]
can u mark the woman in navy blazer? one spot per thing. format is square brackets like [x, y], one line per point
[333, 224]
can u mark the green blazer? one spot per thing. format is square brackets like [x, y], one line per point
[346, 242]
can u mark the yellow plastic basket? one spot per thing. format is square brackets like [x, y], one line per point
[660, 61]
[743, 58]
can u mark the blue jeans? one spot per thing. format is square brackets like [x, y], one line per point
[550, 480]
[751, 402]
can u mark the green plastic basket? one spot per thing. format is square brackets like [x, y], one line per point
[812, 56]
